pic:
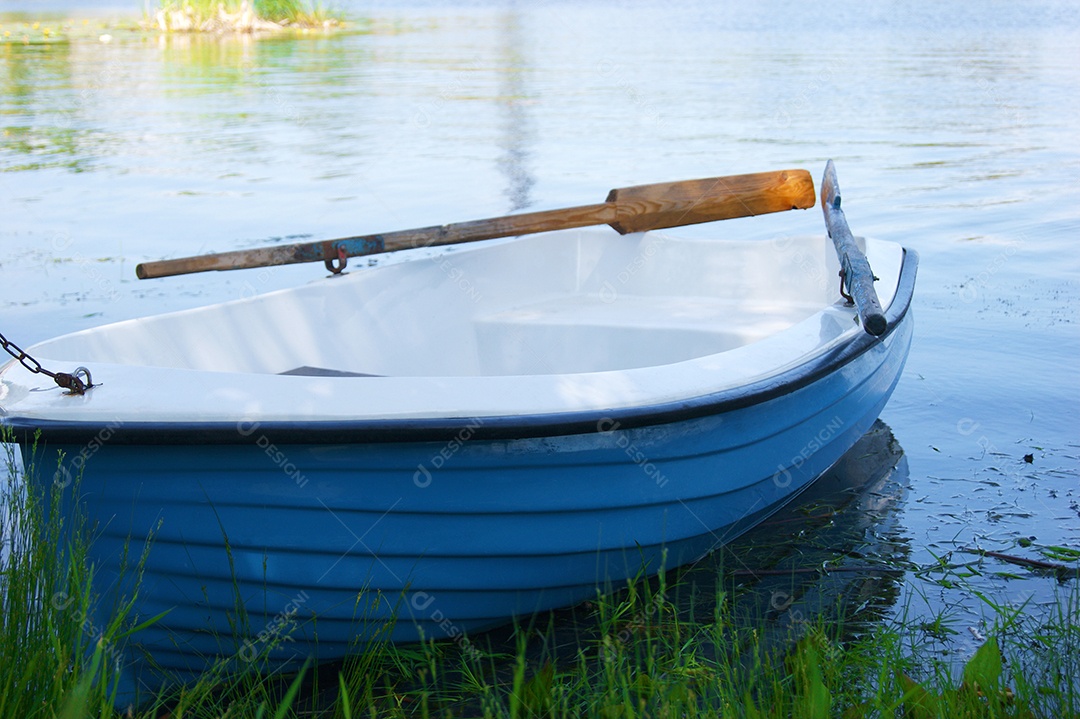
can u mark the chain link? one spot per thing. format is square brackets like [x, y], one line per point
[71, 382]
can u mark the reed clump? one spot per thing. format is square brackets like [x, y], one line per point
[244, 16]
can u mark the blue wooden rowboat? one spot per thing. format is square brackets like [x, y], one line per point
[442, 443]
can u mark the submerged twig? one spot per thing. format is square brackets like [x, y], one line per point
[814, 570]
[1061, 570]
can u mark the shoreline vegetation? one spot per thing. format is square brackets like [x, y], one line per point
[240, 16]
[179, 17]
[639, 651]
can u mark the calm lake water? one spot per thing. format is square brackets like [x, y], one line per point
[954, 127]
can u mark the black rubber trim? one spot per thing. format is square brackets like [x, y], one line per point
[490, 428]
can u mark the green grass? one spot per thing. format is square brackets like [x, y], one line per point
[286, 10]
[656, 648]
[52, 654]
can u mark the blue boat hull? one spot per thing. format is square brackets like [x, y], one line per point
[297, 548]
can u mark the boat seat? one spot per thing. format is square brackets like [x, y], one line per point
[306, 371]
[587, 334]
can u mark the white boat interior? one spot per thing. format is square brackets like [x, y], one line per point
[590, 308]
[571, 302]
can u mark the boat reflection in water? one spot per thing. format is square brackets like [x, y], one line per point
[836, 553]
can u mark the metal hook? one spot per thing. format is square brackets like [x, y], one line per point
[72, 382]
[848, 298]
[335, 262]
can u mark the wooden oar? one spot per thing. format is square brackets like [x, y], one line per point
[857, 275]
[630, 209]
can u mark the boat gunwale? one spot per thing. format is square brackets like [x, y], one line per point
[495, 428]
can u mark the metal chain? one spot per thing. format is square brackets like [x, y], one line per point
[71, 382]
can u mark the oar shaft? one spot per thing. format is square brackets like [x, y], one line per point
[858, 276]
[472, 231]
[630, 209]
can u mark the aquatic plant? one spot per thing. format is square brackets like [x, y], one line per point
[32, 33]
